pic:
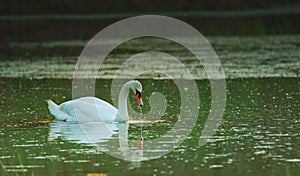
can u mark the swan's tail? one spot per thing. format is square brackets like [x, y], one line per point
[55, 111]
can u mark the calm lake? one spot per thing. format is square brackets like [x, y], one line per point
[259, 133]
[258, 46]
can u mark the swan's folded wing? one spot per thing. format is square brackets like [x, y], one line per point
[89, 109]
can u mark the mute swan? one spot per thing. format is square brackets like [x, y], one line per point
[95, 109]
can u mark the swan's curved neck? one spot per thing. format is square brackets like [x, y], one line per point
[122, 103]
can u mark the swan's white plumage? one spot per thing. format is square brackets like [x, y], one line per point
[94, 109]
[87, 109]
[55, 110]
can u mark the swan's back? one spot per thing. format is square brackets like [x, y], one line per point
[88, 109]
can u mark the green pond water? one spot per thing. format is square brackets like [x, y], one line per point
[259, 133]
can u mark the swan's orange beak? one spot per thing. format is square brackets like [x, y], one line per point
[139, 98]
[140, 143]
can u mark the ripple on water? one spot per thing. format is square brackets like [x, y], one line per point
[260, 152]
[50, 157]
[216, 166]
[21, 168]
[293, 160]
[77, 161]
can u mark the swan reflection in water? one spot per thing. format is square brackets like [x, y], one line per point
[111, 138]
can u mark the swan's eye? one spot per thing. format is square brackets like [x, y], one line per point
[138, 86]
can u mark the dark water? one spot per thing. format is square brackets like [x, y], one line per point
[259, 134]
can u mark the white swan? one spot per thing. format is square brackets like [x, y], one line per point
[95, 109]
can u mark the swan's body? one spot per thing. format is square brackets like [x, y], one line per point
[89, 107]
[95, 109]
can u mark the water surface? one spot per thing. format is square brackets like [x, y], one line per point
[259, 134]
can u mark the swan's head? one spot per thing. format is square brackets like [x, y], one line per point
[136, 87]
